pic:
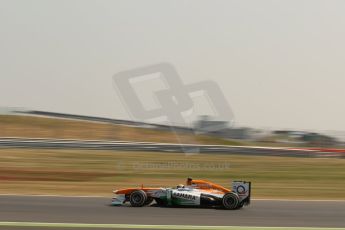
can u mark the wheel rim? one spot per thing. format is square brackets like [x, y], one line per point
[137, 199]
[230, 201]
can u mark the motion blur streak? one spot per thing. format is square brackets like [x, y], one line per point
[97, 211]
[133, 226]
[165, 147]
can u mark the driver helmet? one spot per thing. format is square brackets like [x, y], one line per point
[180, 186]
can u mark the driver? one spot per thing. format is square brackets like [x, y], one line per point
[189, 181]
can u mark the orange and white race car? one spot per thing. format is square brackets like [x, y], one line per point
[195, 193]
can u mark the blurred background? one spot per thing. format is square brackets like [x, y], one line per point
[64, 129]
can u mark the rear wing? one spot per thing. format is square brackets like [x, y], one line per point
[243, 190]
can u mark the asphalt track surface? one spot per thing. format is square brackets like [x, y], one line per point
[96, 210]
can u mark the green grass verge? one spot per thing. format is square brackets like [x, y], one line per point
[93, 172]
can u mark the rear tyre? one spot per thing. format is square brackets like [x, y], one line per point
[240, 205]
[230, 201]
[138, 198]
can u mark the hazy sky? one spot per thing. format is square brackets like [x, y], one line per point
[280, 64]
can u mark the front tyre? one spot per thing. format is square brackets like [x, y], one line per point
[230, 201]
[148, 201]
[138, 198]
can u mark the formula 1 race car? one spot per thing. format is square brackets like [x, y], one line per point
[200, 193]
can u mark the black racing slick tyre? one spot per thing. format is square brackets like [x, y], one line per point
[138, 198]
[230, 201]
